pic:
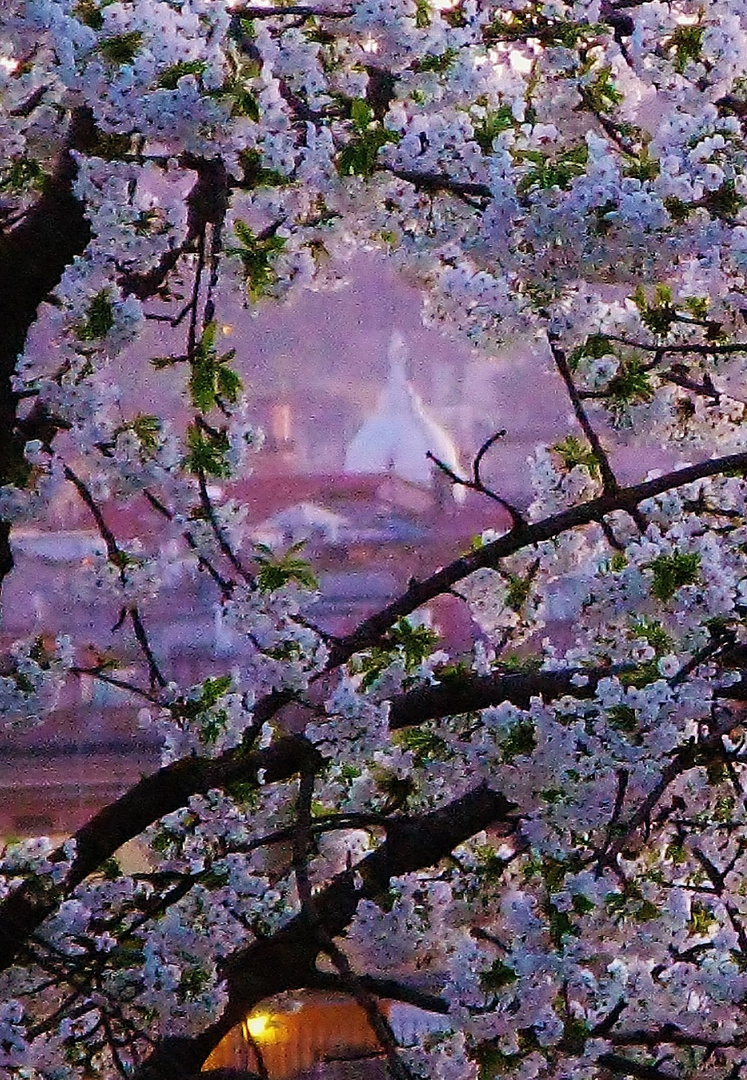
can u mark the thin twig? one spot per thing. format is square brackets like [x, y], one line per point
[518, 520]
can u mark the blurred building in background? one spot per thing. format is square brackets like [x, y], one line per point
[388, 514]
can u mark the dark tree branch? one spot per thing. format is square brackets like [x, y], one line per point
[436, 182]
[287, 959]
[309, 11]
[474, 692]
[369, 632]
[161, 793]
[170, 788]
[33, 257]
[609, 480]
[476, 482]
[625, 1066]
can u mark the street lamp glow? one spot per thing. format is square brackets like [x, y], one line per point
[258, 1025]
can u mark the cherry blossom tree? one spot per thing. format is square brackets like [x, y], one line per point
[543, 845]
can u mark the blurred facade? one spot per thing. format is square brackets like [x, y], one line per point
[387, 515]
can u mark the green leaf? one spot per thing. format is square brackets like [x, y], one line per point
[646, 912]
[121, 48]
[275, 571]
[519, 590]
[257, 254]
[169, 78]
[643, 167]
[560, 926]
[492, 125]
[576, 1033]
[99, 318]
[687, 43]
[23, 173]
[423, 14]
[623, 718]
[243, 100]
[358, 157]
[438, 62]
[652, 631]
[207, 450]
[582, 905]
[410, 643]
[361, 114]
[548, 173]
[520, 740]
[673, 571]
[90, 13]
[497, 977]
[573, 451]
[423, 744]
[600, 93]
[211, 381]
[630, 385]
[254, 174]
[228, 383]
[724, 202]
[659, 314]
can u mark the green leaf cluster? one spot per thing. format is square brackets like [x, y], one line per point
[257, 254]
[573, 451]
[169, 78]
[255, 175]
[724, 202]
[519, 589]
[493, 1062]
[624, 718]
[643, 167]
[243, 99]
[702, 920]
[358, 157]
[211, 381]
[519, 741]
[630, 385]
[532, 22]
[594, 348]
[406, 641]
[147, 428]
[90, 13]
[687, 44]
[193, 981]
[207, 451]
[671, 572]
[99, 318]
[121, 48]
[423, 14]
[423, 744]
[652, 631]
[497, 977]
[23, 173]
[274, 571]
[438, 62]
[492, 125]
[658, 314]
[546, 172]
[630, 904]
[212, 721]
[600, 93]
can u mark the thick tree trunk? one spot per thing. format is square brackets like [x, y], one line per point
[33, 257]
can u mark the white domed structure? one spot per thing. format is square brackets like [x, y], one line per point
[397, 438]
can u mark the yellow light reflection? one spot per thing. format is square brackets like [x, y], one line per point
[259, 1026]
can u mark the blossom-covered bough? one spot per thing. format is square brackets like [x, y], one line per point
[542, 844]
